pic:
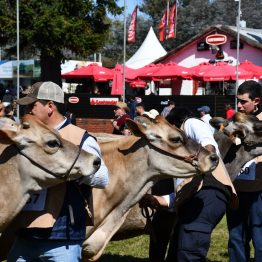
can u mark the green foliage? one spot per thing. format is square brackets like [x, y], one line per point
[53, 26]
[113, 49]
[193, 16]
[56, 29]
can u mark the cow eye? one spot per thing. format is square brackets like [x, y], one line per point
[175, 140]
[53, 143]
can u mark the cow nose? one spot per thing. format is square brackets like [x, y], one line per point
[97, 163]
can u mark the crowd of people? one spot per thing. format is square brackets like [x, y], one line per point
[188, 209]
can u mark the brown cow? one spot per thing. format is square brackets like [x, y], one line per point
[249, 131]
[35, 157]
[158, 150]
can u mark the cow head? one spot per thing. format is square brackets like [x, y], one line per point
[239, 140]
[172, 142]
[44, 154]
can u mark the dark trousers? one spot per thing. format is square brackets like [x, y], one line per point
[244, 224]
[162, 223]
[197, 218]
[162, 228]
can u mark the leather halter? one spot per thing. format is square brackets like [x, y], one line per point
[192, 159]
[65, 177]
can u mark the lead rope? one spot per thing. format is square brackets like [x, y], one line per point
[148, 213]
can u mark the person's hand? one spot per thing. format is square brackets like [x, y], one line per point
[114, 123]
[152, 201]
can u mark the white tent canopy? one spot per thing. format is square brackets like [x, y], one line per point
[150, 50]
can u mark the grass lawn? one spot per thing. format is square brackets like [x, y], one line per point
[136, 249]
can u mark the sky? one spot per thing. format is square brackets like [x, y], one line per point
[130, 4]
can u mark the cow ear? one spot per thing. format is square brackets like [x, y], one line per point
[12, 130]
[139, 125]
[218, 122]
[9, 127]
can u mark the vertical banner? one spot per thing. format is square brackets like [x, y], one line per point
[172, 22]
[162, 27]
[131, 36]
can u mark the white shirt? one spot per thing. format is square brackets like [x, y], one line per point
[198, 131]
[206, 119]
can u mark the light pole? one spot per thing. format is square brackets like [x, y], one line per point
[17, 58]
[124, 55]
[238, 44]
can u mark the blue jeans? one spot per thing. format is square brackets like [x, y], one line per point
[32, 250]
[245, 224]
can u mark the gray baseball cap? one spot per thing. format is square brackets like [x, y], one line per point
[43, 91]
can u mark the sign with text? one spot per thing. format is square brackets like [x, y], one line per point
[73, 99]
[103, 101]
[216, 39]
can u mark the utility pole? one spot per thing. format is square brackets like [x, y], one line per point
[238, 44]
[124, 56]
[17, 58]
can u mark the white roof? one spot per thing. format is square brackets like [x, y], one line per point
[150, 50]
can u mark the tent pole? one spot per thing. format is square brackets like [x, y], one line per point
[124, 56]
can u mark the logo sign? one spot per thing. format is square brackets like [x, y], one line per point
[73, 99]
[96, 101]
[216, 39]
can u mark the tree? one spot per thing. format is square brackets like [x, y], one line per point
[193, 16]
[113, 49]
[55, 29]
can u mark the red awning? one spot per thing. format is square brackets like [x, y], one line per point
[98, 73]
[220, 71]
[255, 69]
[138, 84]
[172, 70]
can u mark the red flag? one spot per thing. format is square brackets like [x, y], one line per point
[162, 27]
[131, 37]
[172, 22]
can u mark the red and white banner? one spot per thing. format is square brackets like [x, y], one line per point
[162, 27]
[172, 22]
[131, 37]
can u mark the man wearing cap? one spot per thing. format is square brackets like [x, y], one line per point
[121, 115]
[57, 225]
[204, 112]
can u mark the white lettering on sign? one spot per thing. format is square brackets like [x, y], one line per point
[103, 101]
[216, 39]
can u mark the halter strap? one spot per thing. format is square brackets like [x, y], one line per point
[65, 177]
[192, 159]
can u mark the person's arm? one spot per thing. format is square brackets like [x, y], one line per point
[114, 123]
[101, 178]
[154, 201]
